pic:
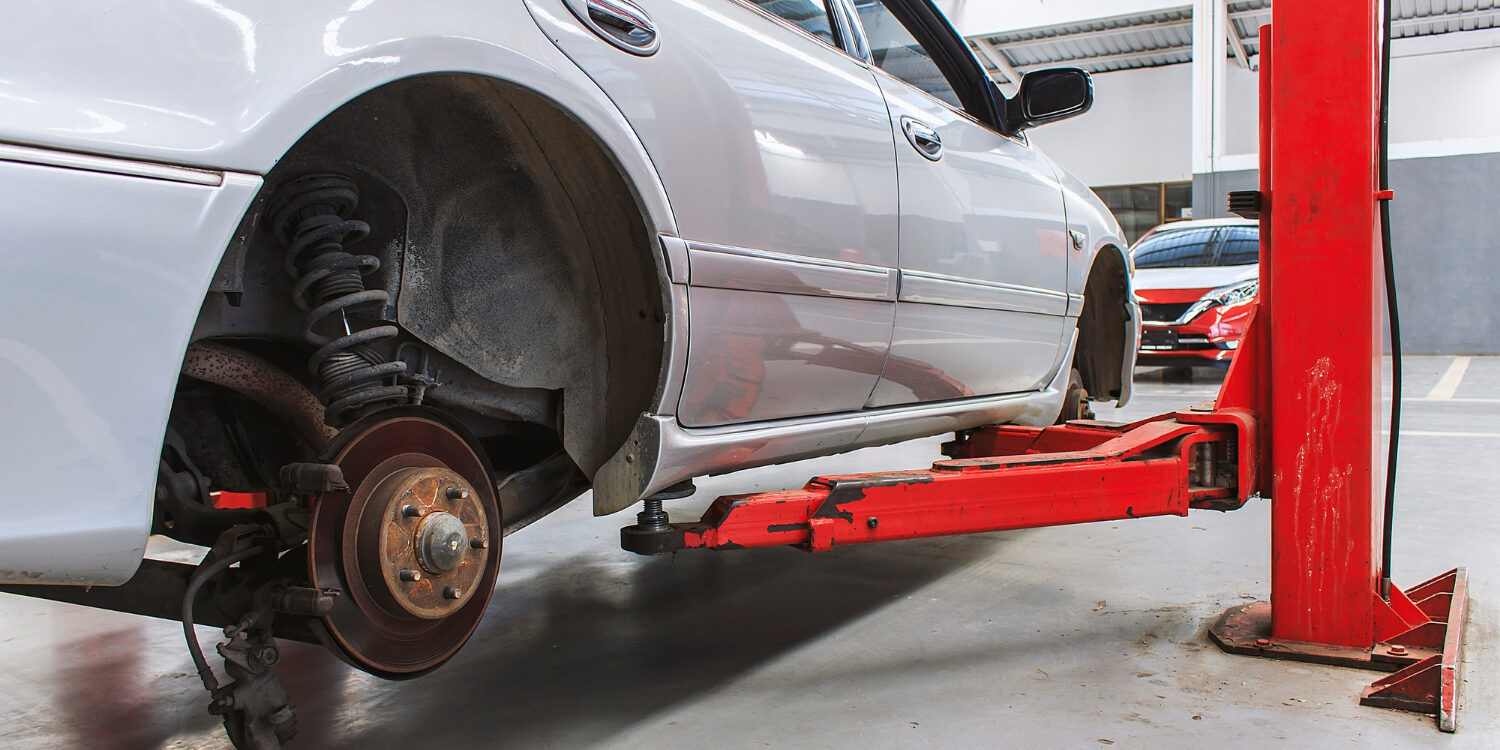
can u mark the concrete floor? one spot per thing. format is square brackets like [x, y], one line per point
[1078, 637]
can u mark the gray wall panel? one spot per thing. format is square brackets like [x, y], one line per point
[1446, 236]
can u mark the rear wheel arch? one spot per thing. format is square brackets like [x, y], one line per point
[525, 254]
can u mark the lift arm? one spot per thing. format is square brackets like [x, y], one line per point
[997, 478]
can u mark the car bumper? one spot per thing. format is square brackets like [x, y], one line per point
[1210, 339]
[104, 264]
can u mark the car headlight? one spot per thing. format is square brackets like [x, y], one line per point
[1224, 295]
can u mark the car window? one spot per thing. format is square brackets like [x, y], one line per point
[809, 15]
[894, 50]
[1177, 248]
[1240, 246]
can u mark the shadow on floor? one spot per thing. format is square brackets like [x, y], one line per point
[573, 653]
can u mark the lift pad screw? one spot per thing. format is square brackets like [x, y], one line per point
[873, 522]
[407, 574]
[1262, 642]
[452, 592]
[1398, 650]
[410, 511]
[457, 493]
[479, 543]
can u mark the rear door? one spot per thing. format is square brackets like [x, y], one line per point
[983, 238]
[776, 152]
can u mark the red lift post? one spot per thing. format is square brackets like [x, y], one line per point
[1298, 423]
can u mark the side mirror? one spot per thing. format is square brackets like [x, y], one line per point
[1050, 95]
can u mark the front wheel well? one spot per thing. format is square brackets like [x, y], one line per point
[1100, 357]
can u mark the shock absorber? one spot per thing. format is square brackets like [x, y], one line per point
[311, 217]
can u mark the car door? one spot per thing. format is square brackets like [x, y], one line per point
[983, 239]
[776, 152]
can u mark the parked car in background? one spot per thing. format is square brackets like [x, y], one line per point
[1196, 282]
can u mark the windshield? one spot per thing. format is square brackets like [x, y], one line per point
[1200, 246]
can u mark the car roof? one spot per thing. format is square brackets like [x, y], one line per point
[1232, 221]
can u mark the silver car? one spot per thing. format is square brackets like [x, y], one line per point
[400, 279]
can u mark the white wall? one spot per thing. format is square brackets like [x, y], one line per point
[1442, 98]
[975, 17]
[1140, 129]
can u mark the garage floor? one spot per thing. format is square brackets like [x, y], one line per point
[1077, 637]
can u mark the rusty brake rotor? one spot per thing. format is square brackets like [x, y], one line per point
[414, 545]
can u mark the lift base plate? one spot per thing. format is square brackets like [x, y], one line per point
[1423, 659]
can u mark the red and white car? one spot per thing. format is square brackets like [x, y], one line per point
[1196, 282]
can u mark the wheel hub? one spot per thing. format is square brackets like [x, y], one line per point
[414, 545]
[417, 529]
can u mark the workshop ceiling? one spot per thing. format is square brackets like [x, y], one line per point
[1165, 37]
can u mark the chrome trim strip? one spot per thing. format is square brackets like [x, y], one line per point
[661, 452]
[1132, 348]
[675, 250]
[938, 289]
[675, 374]
[726, 267]
[109, 165]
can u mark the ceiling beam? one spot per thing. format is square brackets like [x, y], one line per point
[996, 57]
[1237, 46]
[1100, 34]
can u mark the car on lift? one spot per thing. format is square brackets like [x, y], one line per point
[415, 279]
[1196, 283]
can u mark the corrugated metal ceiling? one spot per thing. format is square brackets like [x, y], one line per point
[1165, 37]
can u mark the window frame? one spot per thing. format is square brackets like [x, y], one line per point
[836, 23]
[982, 100]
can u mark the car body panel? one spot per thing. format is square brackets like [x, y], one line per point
[662, 452]
[774, 148]
[122, 82]
[1094, 231]
[98, 320]
[113, 107]
[983, 255]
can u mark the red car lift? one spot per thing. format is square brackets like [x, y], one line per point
[1298, 423]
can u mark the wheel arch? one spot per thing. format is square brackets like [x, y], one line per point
[1107, 323]
[529, 253]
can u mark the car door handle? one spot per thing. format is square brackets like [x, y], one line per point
[926, 140]
[619, 22]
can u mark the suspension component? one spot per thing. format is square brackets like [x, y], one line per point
[413, 542]
[311, 217]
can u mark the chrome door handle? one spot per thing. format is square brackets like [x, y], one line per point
[619, 22]
[926, 140]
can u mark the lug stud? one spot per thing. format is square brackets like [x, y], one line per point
[479, 543]
[410, 575]
[452, 592]
[410, 511]
[457, 493]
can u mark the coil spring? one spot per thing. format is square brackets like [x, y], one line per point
[310, 216]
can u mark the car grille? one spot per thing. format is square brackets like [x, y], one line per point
[1164, 313]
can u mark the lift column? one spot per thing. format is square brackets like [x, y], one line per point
[1326, 322]
[1320, 385]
